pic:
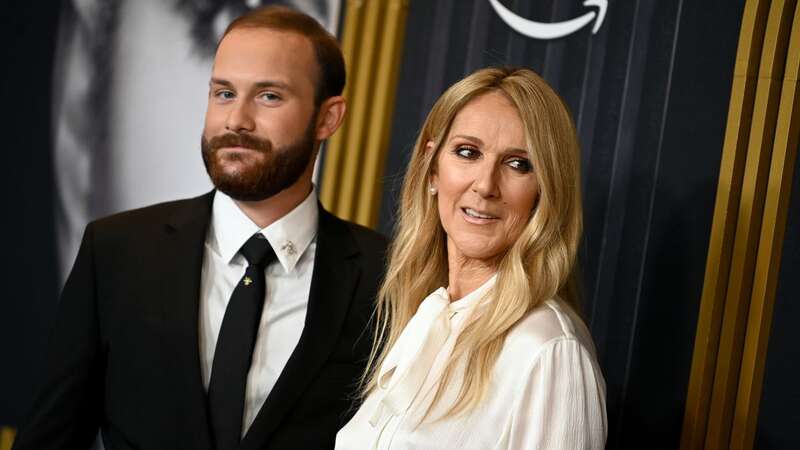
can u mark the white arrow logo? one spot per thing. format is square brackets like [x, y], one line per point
[539, 30]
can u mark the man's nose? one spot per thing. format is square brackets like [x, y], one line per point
[240, 118]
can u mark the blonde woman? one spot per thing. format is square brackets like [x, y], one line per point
[491, 209]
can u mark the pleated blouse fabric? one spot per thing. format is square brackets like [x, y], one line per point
[546, 391]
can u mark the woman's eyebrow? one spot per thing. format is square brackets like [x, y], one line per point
[479, 142]
[474, 139]
[516, 150]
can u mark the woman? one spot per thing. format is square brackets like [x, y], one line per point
[491, 209]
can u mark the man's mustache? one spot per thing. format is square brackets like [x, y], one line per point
[240, 140]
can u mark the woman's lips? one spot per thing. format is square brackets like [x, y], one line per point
[477, 217]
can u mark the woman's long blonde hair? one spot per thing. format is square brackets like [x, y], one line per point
[538, 266]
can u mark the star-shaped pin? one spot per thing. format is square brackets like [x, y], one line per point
[247, 281]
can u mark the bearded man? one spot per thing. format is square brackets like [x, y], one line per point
[234, 320]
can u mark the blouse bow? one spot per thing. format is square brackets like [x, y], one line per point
[408, 363]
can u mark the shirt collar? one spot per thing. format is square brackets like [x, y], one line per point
[289, 236]
[476, 296]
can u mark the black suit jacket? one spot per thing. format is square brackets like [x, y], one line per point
[124, 354]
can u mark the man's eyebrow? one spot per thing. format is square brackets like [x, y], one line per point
[272, 84]
[257, 85]
[221, 81]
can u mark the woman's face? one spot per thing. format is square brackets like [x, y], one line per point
[487, 185]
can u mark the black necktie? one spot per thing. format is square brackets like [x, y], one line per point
[234, 351]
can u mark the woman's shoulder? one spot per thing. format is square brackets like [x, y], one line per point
[550, 323]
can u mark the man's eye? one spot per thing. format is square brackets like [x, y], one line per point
[270, 96]
[520, 165]
[467, 152]
[224, 95]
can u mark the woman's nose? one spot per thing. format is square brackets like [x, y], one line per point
[486, 182]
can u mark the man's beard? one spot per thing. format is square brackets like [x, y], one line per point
[276, 169]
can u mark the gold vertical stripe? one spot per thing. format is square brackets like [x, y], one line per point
[379, 127]
[748, 227]
[359, 114]
[6, 437]
[351, 185]
[769, 251]
[337, 144]
[726, 207]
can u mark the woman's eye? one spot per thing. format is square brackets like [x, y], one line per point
[520, 165]
[467, 153]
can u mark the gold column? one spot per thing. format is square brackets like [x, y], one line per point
[351, 179]
[734, 152]
[746, 229]
[6, 438]
[335, 147]
[770, 248]
[380, 123]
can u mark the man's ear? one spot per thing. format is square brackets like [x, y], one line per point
[330, 117]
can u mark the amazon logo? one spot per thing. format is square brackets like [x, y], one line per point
[541, 30]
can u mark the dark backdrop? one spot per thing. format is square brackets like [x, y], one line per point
[29, 274]
[649, 94]
[779, 416]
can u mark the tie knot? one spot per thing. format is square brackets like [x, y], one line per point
[257, 251]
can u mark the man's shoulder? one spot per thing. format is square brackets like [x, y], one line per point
[367, 240]
[156, 214]
[367, 237]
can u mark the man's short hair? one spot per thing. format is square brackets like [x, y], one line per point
[331, 77]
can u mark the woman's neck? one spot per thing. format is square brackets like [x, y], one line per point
[466, 274]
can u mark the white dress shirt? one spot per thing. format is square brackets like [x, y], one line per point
[546, 390]
[293, 237]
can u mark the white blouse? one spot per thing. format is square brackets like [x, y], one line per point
[546, 390]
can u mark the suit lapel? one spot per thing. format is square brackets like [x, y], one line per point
[333, 282]
[182, 255]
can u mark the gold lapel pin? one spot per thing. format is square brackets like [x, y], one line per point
[248, 281]
[289, 248]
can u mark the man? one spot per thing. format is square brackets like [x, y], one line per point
[233, 320]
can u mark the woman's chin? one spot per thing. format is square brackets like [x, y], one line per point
[478, 251]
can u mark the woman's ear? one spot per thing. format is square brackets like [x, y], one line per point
[430, 147]
[433, 181]
[330, 117]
